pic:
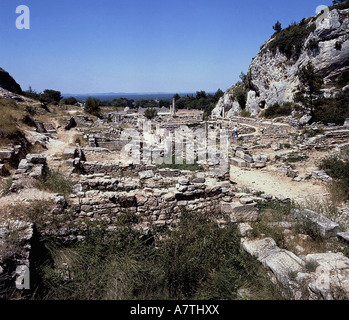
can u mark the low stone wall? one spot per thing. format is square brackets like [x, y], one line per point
[127, 170]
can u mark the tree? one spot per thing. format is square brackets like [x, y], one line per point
[200, 94]
[176, 96]
[311, 84]
[51, 96]
[219, 93]
[150, 113]
[277, 27]
[32, 94]
[240, 94]
[92, 106]
[70, 101]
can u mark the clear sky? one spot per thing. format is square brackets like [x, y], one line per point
[90, 46]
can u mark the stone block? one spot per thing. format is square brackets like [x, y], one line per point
[238, 162]
[240, 212]
[70, 153]
[326, 227]
[6, 155]
[248, 158]
[343, 236]
[146, 174]
[36, 158]
[240, 154]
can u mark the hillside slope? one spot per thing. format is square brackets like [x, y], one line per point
[8, 83]
[272, 75]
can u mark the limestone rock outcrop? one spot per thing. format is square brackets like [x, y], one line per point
[273, 74]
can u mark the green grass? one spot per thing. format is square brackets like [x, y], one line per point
[55, 181]
[198, 260]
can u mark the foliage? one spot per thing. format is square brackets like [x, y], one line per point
[32, 94]
[145, 103]
[340, 4]
[332, 110]
[276, 110]
[313, 45]
[50, 96]
[198, 260]
[150, 113]
[240, 95]
[55, 181]
[311, 84]
[338, 169]
[277, 27]
[343, 79]
[181, 166]
[201, 101]
[290, 41]
[245, 113]
[92, 106]
[70, 101]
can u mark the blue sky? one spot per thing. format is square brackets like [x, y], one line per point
[90, 46]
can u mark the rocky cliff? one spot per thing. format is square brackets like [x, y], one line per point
[8, 83]
[322, 40]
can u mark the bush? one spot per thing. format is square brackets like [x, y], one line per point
[55, 181]
[332, 110]
[290, 41]
[339, 170]
[92, 106]
[240, 95]
[70, 101]
[50, 96]
[276, 110]
[150, 113]
[343, 79]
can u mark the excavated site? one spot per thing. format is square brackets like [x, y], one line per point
[65, 173]
[117, 165]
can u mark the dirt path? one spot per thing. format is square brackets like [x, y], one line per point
[276, 185]
[57, 146]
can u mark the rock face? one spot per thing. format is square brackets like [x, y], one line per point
[8, 83]
[273, 76]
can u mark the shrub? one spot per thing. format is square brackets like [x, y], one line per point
[332, 110]
[276, 110]
[181, 166]
[92, 106]
[55, 181]
[343, 79]
[240, 95]
[245, 113]
[50, 96]
[150, 113]
[290, 41]
[70, 101]
[339, 170]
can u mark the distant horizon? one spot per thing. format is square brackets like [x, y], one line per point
[140, 46]
[108, 96]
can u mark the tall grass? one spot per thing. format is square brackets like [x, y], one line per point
[198, 260]
[55, 181]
